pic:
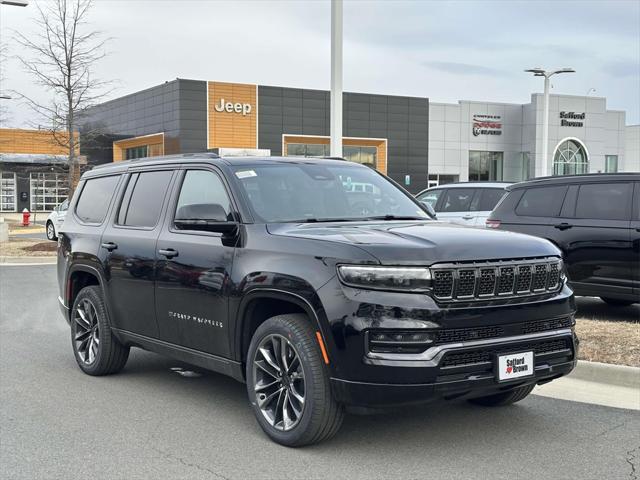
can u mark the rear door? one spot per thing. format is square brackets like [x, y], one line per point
[484, 203]
[455, 206]
[593, 232]
[634, 232]
[128, 250]
[194, 266]
[536, 210]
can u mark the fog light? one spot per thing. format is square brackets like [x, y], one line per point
[399, 342]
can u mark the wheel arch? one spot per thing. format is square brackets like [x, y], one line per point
[260, 305]
[79, 277]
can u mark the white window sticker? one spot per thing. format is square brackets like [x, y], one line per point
[246, 174]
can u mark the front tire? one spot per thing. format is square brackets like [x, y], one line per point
[96, 350]
[614, 302]
[504, 398]
[51, 232]
[288, 384]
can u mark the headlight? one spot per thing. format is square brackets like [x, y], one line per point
[408, 279]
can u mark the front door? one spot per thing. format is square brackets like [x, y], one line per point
[192, 282]
[128, 247]
[454, 206]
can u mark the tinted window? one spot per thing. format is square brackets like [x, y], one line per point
[604, 201]
[488, 199]
[457, 200]
[95, 197]
[541, 202]
[430, 197]
[143, 198]
[203, 195]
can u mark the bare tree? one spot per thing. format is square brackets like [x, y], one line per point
[4, 110]
[63, 56]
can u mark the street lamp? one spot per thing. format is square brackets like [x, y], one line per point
[335, 110]
[539, 72]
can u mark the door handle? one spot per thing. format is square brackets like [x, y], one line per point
[563, 226]
[468, 217]
[110, 246]
[168, 252]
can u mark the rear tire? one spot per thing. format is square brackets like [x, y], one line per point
[276, 383]
[96, 349]
[51, 232]
[504, 398]
[614, 302]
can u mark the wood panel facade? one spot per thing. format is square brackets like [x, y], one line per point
[35, 142]
[232, 115]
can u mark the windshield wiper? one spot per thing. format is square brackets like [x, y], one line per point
[319, 220]
[395, 217]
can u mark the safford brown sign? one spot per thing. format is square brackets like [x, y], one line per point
[486, 125]
[572, 119]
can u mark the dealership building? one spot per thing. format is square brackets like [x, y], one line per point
[416, 142]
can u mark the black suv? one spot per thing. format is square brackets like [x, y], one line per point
[595, 221]
[271, 271]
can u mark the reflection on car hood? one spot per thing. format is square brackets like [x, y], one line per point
[398, 242]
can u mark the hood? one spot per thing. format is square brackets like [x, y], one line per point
[417, 242]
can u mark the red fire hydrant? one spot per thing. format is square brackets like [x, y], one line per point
[25, 217]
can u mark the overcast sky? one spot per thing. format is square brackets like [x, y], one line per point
[447, 51]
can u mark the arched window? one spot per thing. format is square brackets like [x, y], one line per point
[570, 158]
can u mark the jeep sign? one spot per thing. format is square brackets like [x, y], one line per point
[243, 108]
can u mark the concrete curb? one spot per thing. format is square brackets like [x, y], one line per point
[44, 260]
[619, 375]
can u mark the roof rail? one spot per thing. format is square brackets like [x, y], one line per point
[329, 157]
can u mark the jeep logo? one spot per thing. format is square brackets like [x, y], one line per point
[243, 108]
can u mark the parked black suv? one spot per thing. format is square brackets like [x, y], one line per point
[594, 219]
[270, 271]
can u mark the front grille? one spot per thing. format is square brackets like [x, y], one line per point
[484, 355]
[454, 335]
[488, 280]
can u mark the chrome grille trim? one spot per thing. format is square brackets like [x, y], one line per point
[496, 279]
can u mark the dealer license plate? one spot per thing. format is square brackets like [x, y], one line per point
[515, 365]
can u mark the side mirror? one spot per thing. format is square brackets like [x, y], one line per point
[430, 211]
[209, 217]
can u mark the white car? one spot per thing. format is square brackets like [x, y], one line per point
[56, 219]
[468, 203]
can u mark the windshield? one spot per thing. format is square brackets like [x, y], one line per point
[309, 192]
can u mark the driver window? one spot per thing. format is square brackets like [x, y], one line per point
[202, 195]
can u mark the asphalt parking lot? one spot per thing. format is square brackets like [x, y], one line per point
[150, 422]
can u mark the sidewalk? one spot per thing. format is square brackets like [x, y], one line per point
[20, 261]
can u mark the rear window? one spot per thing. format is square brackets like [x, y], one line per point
[95, 198]
[604, 201]
[489, 198]
[457, 200]
[143, 198]
[541, 201]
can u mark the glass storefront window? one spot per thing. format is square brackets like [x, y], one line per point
[570, 159]
[307, 150]
[364, 155]
[48, 190]
[436, 179]
[611, 163]
[7, 192]
[137, 152]
[485, 166]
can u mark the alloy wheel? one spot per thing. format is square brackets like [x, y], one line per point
[50, 231]
[87, 332]
[279, 382]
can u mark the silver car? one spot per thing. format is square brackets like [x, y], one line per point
[468, 203]
[56, 219]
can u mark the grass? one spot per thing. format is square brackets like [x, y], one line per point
[609, 342]
[28, 248]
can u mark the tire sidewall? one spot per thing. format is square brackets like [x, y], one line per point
[53, 236]
[94, 295]
[276, 326]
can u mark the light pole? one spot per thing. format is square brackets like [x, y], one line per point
[336, 79]
[539, 72]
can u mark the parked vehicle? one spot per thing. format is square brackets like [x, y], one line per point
[56, 219]
[267, 270]
[468, 203]
[594, 219]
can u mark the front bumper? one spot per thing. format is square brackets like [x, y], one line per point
[374, 395]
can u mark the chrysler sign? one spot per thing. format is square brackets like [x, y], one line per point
[486, 125]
